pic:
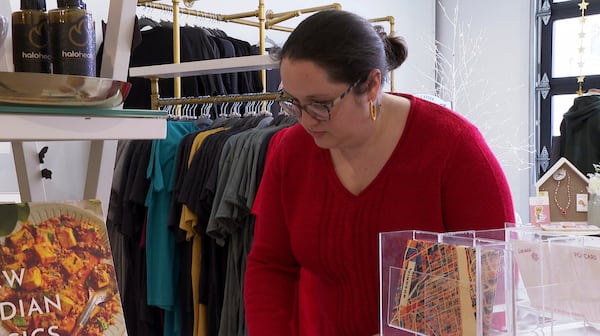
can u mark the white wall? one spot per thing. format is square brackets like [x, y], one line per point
[498, 93]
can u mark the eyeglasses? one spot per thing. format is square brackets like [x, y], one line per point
[318, 111]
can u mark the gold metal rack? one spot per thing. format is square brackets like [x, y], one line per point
[266, 20]
[392, 22]
[240, 98]
[235, 18]
[186, 108]
[158, 102]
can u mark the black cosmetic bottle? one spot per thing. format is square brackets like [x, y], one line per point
[30, 37]
[72, 39]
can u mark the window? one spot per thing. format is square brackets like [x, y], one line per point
[568, 49]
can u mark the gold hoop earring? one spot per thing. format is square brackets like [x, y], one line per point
[373, 110]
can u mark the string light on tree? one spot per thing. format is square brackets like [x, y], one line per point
[583, 5]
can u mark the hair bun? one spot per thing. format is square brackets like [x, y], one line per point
[381, 31]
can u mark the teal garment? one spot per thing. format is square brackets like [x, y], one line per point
[162, 259]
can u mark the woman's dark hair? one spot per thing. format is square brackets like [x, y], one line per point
[346, 45]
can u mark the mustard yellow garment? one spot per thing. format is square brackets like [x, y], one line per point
[187, 222]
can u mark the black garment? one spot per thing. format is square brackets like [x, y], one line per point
[157, 48]
[249, 81]
[197, 192]
[555, 150]
[213, 262]
[181, 168]
[196, 44]
[136, 39]
[580, 133]
[226, 50]
[185, 247]
[202, 47]
[126, 217]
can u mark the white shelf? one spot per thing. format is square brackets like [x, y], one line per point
[214, 66]
[22, 127]
[44, 123]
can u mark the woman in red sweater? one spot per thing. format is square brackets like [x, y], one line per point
[359, 162]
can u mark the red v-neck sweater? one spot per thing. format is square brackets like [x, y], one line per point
[441, 177]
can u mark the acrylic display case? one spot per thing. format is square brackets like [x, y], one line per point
[497, 282]
[557, 291]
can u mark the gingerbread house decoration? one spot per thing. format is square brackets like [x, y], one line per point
[566, 188]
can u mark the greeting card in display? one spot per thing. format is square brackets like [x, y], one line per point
[539, 210]
[437, 294]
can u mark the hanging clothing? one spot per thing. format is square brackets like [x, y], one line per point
[162, 259]
[187, 222]
[125, 220]
[181, 271]
[231, 220]
[197, 44]
[162, 246]
[197, 194]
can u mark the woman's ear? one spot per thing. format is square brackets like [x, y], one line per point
[374, 84]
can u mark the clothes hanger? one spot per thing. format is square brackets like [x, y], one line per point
[147, 23]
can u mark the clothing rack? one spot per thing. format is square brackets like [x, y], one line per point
[234, 18]
[187, 106]
[233, 64]
[392, 23]
[239, 98]
[265, 21]
[209, 100]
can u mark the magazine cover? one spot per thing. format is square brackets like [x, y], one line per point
[437, 294]
[57, 274]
